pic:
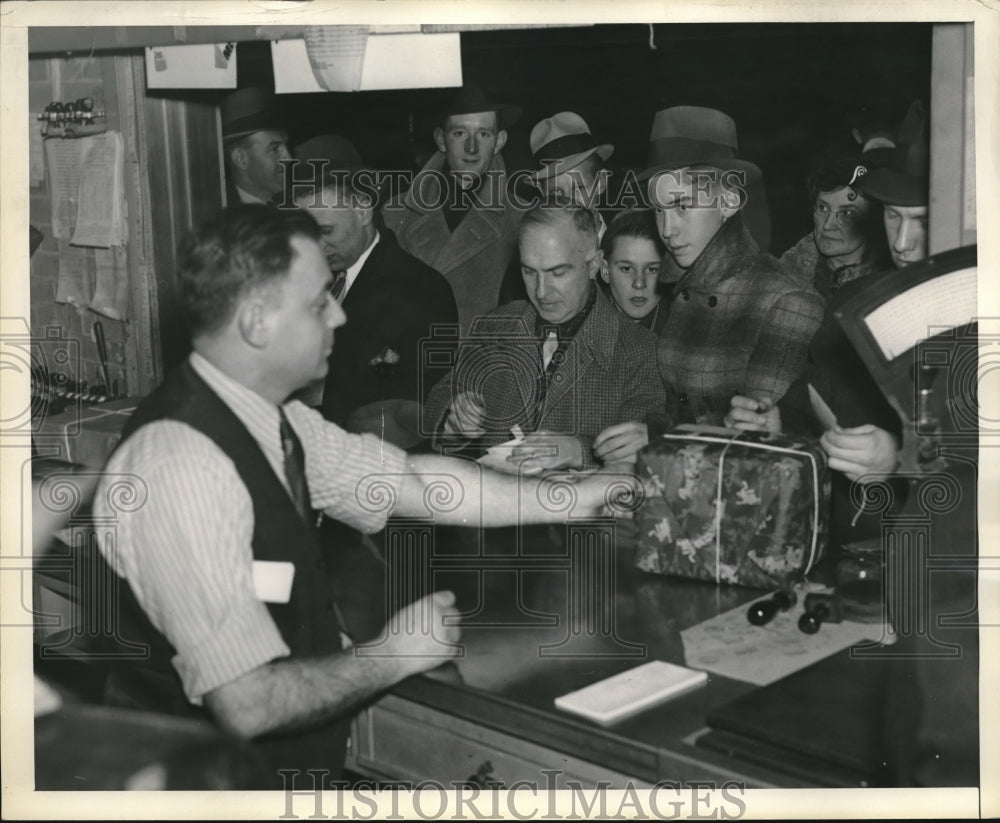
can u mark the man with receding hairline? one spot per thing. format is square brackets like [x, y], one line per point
[560, 367]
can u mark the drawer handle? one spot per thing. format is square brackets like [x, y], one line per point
[484, 778]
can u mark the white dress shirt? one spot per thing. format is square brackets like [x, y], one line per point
[186, 548]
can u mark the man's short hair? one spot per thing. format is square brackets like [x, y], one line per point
[640, 223]
[240, 249]
[339, 188]
[552, 213]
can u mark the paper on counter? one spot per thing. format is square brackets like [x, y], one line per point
[496, 459]
[730, 645]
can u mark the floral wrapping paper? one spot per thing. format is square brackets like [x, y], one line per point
[763, 526]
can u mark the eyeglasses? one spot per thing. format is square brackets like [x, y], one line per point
[847, 216]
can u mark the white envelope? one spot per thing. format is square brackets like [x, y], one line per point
[496, 459]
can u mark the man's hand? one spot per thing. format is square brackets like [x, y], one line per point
[466, 416]
[543, 450]
[621, 443]
[862, 450]
[421, 636]
[753, 415]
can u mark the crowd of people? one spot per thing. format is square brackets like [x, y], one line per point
[338, 322]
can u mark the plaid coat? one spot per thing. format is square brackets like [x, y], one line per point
[608, 375]
[738, 324]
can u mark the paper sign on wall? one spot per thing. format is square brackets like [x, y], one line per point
[197, 66]
[391, 61]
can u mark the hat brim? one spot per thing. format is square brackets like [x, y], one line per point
[507, 113]
[565, 164]
[895, 188]
[752, 170]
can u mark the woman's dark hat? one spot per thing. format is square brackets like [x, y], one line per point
[692, 136]
[904, 180]
[471, 99]
[249, 110]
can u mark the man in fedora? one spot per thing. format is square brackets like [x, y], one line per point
[901, 186]
[738, 323]
[456, 217]
[569, 163]
[254, 144]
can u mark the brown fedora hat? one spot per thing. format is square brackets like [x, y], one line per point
[904, 179]
[248, 110]
[471, 99]
[562, 142]
[692, 136]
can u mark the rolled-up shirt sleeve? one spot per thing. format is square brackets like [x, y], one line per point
[354, 478]
[187, 554]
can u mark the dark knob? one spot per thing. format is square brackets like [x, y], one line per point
[763, 611]
[810, 621]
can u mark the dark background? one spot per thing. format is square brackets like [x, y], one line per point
[794, 91]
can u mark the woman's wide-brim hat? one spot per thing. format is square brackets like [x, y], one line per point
[249, 110]
[471, 99]
[904, 180]
[562, 142]
[694, 136]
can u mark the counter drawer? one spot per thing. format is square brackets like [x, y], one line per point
[397, 739]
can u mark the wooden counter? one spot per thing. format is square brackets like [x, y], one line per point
[545, 612]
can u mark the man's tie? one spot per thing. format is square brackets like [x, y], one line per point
[295, 467]
[339, 282]
[549, 348]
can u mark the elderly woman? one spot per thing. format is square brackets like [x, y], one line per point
[847, 241]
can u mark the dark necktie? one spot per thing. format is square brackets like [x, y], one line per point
[295, 467]
[339, 284]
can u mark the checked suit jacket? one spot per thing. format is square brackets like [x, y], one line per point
[607, 375]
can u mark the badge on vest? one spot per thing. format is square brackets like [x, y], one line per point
[272, 580]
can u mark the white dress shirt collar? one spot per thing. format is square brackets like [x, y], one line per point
[355, 268]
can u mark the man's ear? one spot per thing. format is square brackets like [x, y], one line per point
[605, 273]
[730, 202]
[365, 214]
[501, 142]
[238, 157]
[439, 139]
[595, 264]
[252, 319]
[602, 180]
